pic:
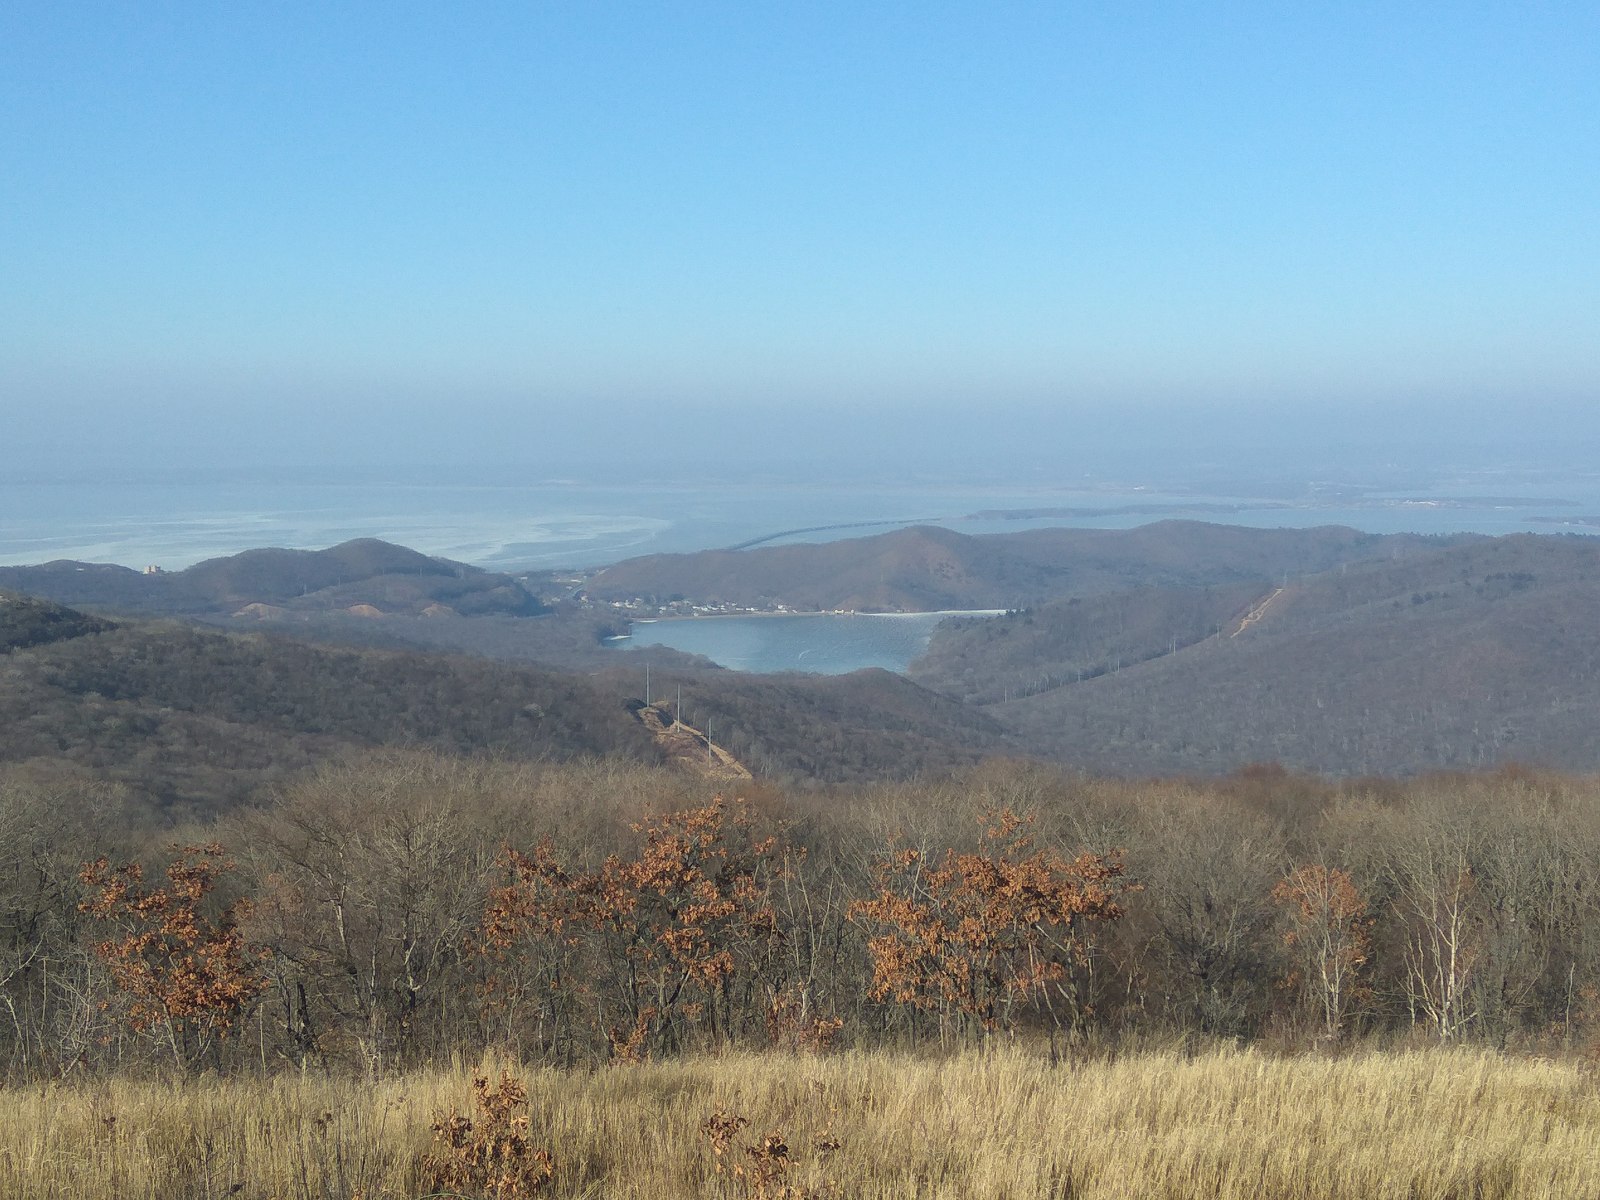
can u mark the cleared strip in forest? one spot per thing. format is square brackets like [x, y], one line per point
[1256, 613]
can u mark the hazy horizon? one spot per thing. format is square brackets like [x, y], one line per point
[822, 239]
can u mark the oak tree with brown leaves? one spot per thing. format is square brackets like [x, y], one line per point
[1329, 932]
[653, 948]
[975, 936]
[185, 974]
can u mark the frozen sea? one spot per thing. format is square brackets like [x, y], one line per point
[508, 522]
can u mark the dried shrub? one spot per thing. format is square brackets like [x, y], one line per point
[761, 1169]
[793, 1025]
[489, 1155]
[654, 944]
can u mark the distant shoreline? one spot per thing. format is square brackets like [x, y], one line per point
[543, 527]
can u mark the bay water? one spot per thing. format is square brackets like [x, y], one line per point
[817, 643]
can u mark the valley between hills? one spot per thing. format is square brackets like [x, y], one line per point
[1179, 647]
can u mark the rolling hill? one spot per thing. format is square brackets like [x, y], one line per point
[181, 719]
[1482, 653]
[29, 621]
[198, 720]
[927, 569]
[365, 575]
[1178, 647]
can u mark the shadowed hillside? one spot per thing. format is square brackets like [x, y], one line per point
[187, 719]
[29, 621]
[202, 720]
[984, 660]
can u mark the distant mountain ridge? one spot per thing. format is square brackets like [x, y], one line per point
[926, 568]
[362, 573]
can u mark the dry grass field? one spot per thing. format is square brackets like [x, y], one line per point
[1245, 1125]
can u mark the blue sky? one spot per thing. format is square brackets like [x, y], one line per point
[318, 233]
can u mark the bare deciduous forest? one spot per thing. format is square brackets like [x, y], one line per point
[406, 910]
[407, 906]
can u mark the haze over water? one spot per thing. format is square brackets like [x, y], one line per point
[1033, 245]
[502, 522]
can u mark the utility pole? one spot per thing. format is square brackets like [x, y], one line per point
[678, 720]
[647, 685]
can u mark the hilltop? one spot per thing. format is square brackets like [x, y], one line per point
[928, 569]
[365, 575]
[30, 621]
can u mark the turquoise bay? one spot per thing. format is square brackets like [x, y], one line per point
[819, 643]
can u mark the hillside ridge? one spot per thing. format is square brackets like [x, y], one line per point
[924, 568]
[269, 583]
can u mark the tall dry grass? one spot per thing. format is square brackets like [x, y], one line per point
[1427, 1125]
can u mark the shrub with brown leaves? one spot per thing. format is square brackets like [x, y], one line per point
[489, 1155]
[977, 934]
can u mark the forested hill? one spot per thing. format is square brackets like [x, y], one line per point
[926, 568]
[179, 719]
[30, 621]
[176, 716]
[362, 574]
[1483, 653]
